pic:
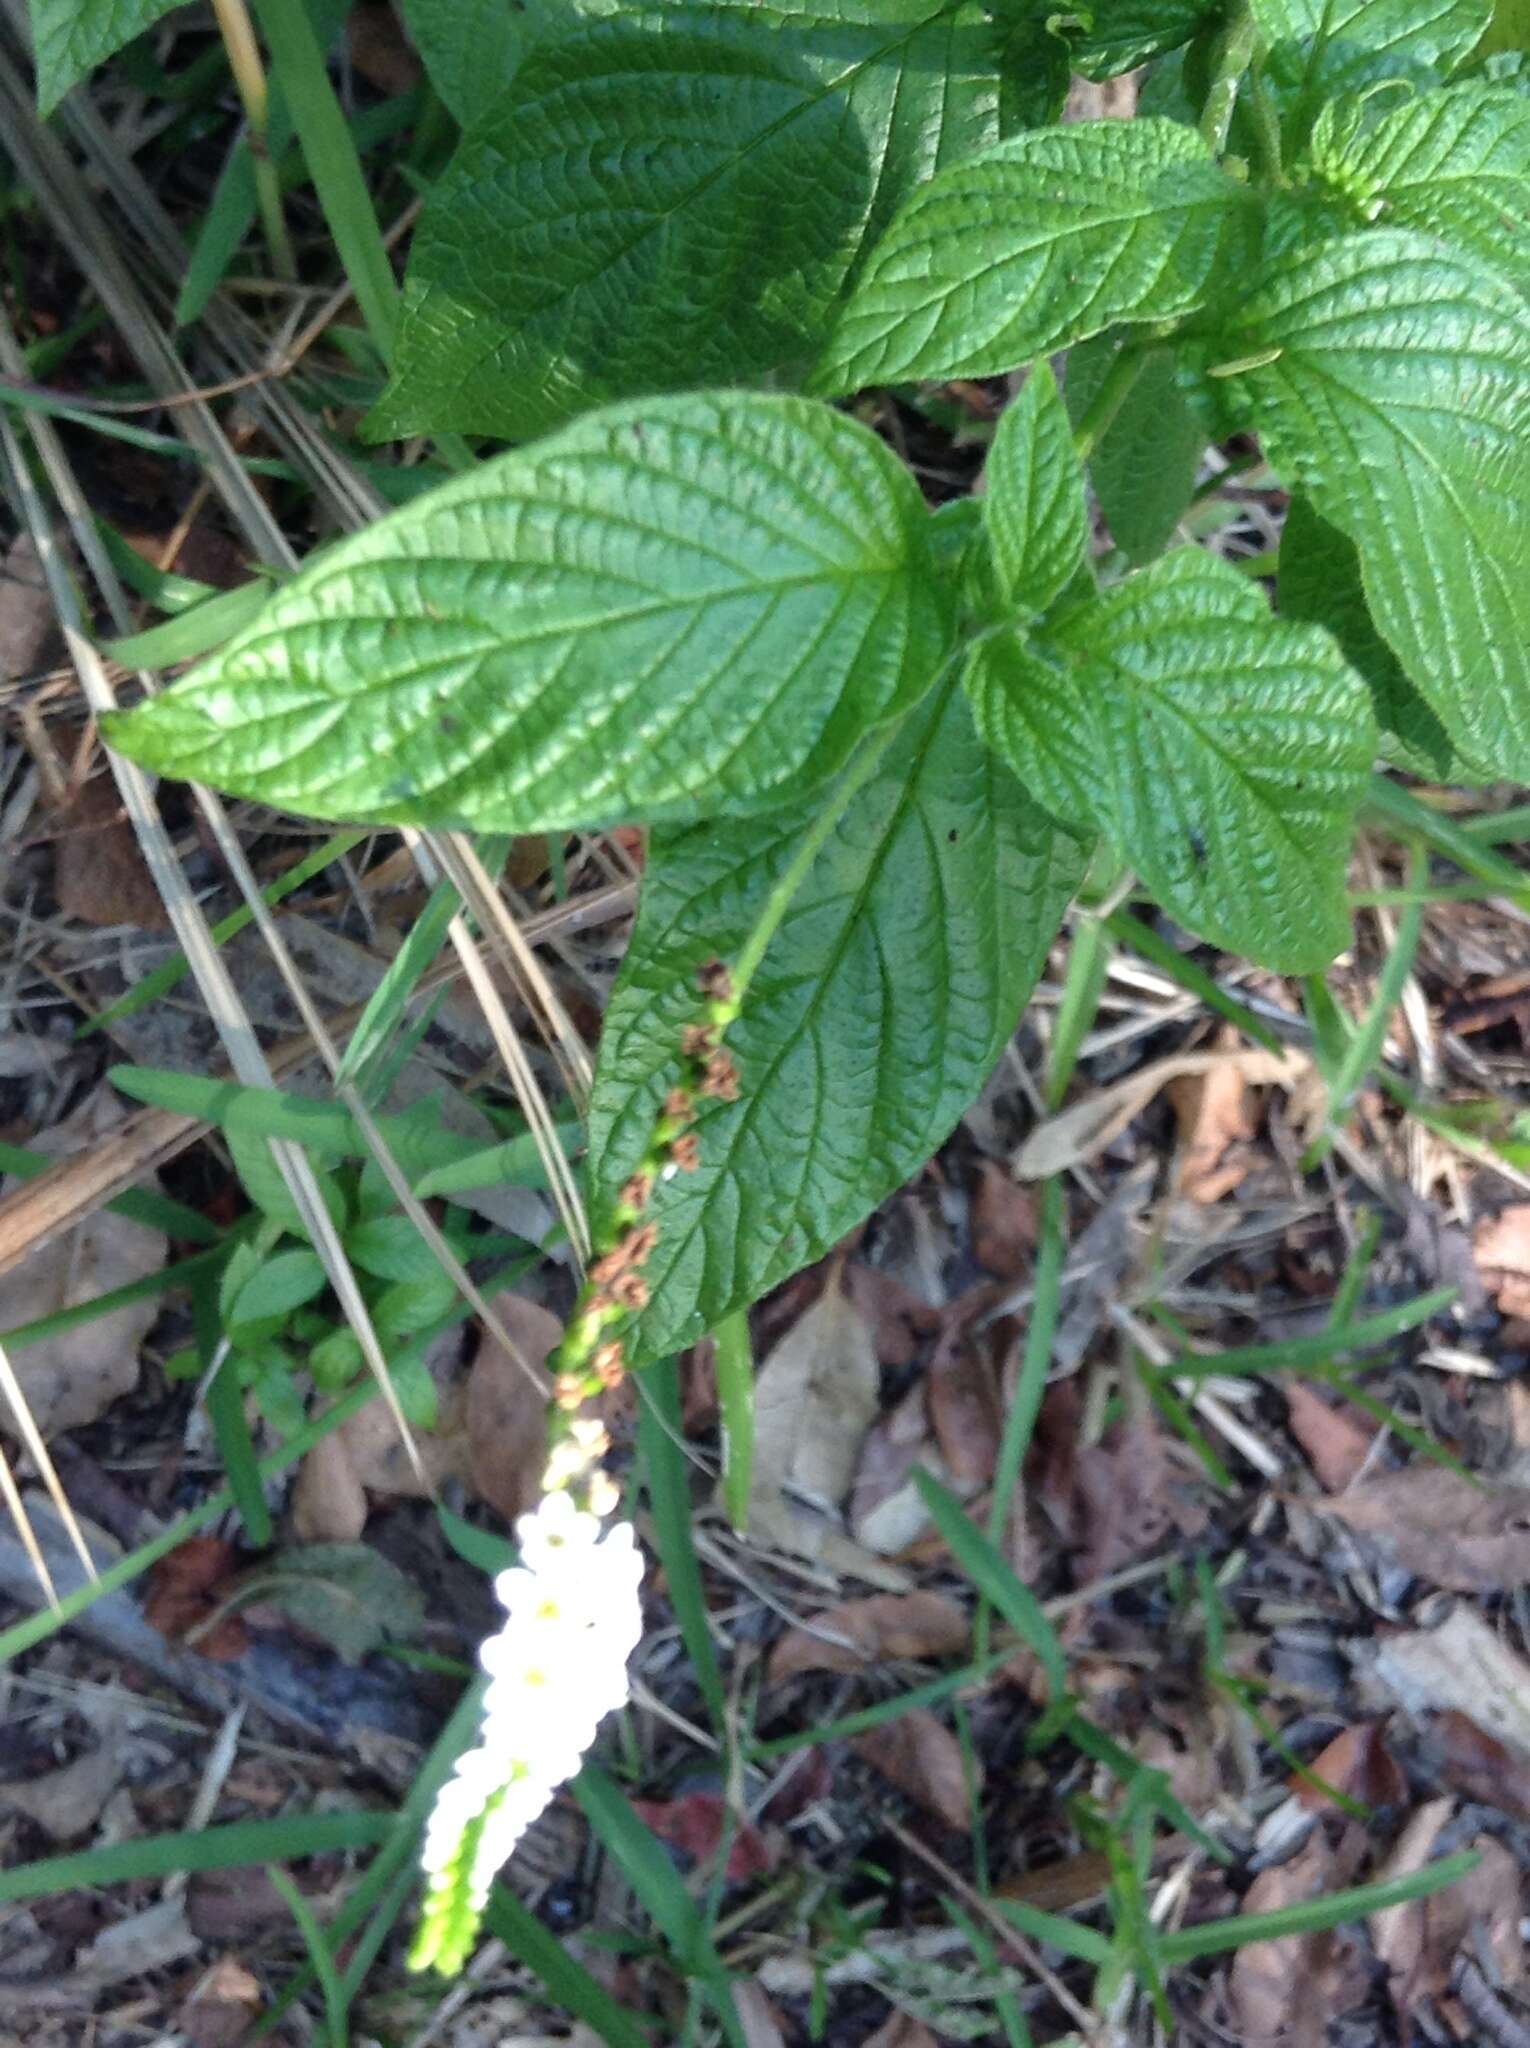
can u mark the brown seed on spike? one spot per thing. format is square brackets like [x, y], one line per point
[716, 981]
[640, 1242]
[631, 1291]
[609, 1364]
[569, 1391]
[721, 1077]
[634, 1193]
[686, 1152]
[697, 1040]
[609, 1266]
[679, 1103]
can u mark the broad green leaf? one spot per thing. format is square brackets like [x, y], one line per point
[675, 197]
[71, 37]
[1455, 164]
[1318, 48]
[1221, 751]
[277, 1285]
[1145, 465]
[675, 610]
[469, 49]
[1320, 582]
[1036, 244]
[1509, 31]
[346, 1594]
[1390, 381]
[1034, 508]
[878, 1011]
[1126, 33]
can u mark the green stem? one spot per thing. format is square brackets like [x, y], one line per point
[333, 165]
[779, 901]
[1235, 53]
[1109, 399]
[250, 78]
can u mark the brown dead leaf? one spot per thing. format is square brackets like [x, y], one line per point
[962, 1400]
[1217, 1114]
[1288, 1990]
[884, 1625]
[70, 1379]
[886, 1512]
[1003, 1222]
[696, 1824]
[507, 1408]
[1439, 1526]
[99, 872]
[817, 1397]
[1480, 1767]
[379, 1459]
[1358, 1764]
[898, 2030]
[222, 2006]
[367, 1456]
[329, 1502]
[1336, 1438]
[899, 1318]
[186, 1591]
[1081, 1132]
[1123, 1487]
[66, 1802]
[1478, 1917]
[1400, 1934]
[234, 1905]
[923, 1758]
[28, 628]
[1461, 1666]
[1502, 1247]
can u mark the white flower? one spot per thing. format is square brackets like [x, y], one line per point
[556, 1669]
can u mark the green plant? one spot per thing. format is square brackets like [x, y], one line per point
[877, 747]
[698, 609]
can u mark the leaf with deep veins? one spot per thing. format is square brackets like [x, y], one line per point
[880, 1007]
[1222, 752]
[1454, 164]
[683, 609]
[1390, 380]
[1321, 47]
[674, 198]
[1036, 244]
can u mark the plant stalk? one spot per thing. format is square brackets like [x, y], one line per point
[238, 33]
[1240, 39]
[1109, 399]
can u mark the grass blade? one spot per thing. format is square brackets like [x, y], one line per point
[667, 1478]
[735, 1395]
[993, 1579]
[1311, 1916]
[336, 2004]
[1299, 1352]
[566, 1981]
[239, 1845]
[1130, 931]
[333, 164]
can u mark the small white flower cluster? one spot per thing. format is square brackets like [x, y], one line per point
[556, 1669]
